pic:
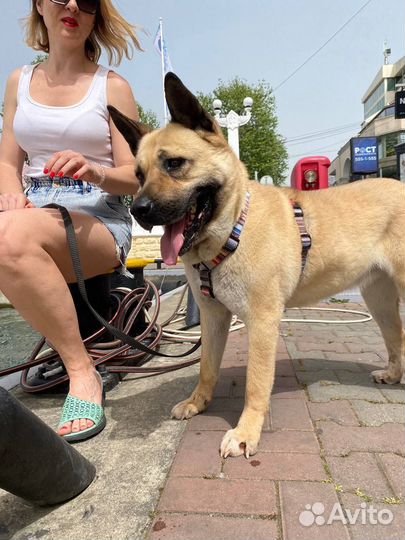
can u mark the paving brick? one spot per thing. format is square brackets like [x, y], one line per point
[276, 466]
[303, 442]
[222, 496]
[335, 347]
[201, 527]
[357, 379]
[295, 354]
[376, 414]
[226, 404]
[359, 470]
[298, 497]
[338, 440]
[316, 364]
[338, 411]
[221, 421]
[223, 388]
[284, 368]
[394, 394]
[198, 454]
[367, 530]
[321, 375]
[320, 392]
[286, 383]
[285, 393]
[289, 414]
[353, 362]
[394, 468]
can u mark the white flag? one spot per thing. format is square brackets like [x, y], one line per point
[160, 46]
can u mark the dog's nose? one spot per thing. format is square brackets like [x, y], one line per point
[142, 207]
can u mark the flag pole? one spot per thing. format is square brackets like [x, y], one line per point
[163, 69]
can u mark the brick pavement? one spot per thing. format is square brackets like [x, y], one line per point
[332, 437]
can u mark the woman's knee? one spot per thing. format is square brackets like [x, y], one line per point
[14, 237]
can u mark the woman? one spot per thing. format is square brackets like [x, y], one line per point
[56, 113]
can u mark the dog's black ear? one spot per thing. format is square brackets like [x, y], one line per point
[131, 130]
[184, 107]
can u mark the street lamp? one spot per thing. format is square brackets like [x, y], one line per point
[232, 121]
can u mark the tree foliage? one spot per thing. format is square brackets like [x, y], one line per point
[148, 117]
[261, 148]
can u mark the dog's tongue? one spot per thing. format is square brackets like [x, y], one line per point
[172, 241]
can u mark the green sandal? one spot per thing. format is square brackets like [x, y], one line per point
[74, 409]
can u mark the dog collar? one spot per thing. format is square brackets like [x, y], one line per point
[205, 268]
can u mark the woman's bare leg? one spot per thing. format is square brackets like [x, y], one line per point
[35, 267]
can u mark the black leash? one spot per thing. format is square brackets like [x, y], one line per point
[74, 252]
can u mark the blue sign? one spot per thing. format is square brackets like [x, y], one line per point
[364, 154]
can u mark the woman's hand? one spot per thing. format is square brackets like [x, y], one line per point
[14, 201]
[74, 165]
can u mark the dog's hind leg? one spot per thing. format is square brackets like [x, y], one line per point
[215, 320]
[382, 298]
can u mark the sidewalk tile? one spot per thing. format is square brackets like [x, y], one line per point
[340, 440]
[201, 527]
[321, 392]
[276, 466]
[198, 454]
[394, 393]
[326, 376]
[394, 468]
[372, 530]
[297, 498]
[289, 414]
[226, 404]
[376, 414]
[285, 393]
[302, 442]
[211, 421]
[360, 471]
[337, 411]
[316, 364]
[223, 388]
[284, 368]
[308, 347]
[222, 496]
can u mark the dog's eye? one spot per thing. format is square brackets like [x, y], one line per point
[173, 164]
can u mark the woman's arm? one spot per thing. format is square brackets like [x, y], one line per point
[121, 97]
[11, 155]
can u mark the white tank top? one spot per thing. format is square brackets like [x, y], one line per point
[42, 130]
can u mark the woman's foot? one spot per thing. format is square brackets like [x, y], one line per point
[85, 384]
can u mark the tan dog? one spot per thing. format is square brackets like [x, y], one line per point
[192, 182]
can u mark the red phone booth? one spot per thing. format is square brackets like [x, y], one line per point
[310, 173]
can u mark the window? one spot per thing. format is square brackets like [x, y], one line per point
[375, 102]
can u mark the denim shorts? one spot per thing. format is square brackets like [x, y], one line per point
[79, 196]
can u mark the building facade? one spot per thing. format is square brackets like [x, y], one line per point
[379, 121]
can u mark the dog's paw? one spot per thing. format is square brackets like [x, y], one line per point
[183, 410]
[237, 443]
[384, 376]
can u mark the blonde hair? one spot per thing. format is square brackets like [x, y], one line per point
[111, 32]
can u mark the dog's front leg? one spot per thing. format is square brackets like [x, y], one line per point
[263, 332]
[215, 320]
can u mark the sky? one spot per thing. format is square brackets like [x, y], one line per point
[256, 40]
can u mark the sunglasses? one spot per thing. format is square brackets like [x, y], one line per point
[88, 6]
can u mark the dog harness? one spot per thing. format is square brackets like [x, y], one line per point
[305, 237]
[206, 268]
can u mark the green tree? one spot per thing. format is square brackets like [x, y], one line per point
[261, 148]
[148, 117]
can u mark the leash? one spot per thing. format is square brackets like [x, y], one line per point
[74, 253]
